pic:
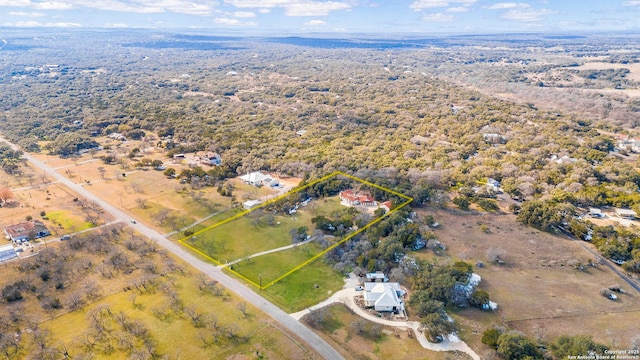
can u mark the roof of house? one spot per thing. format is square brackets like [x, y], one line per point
[368, 286]
[251, 203]
[212, 155]
[7, 248]
[356, 196]
[376, 275]
[256, 177]
[383, 294]
[25, 228]
[7, 252]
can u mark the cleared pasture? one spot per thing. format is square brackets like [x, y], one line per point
[539, 290]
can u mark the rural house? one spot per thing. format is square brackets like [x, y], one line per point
[259, 179]
[494, 185]
[211, 159]
[625, 143]
[386, 206]
[354, 198]
[384, 296]
[25, 231]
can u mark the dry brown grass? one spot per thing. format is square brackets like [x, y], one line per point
[394, 343]
[538, 290]
[48, 198]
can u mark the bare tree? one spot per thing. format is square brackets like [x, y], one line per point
[92, 289]
[76, 300]
[162, 215]
[243, 309]
[137, 188]
[142, 203]
[204, 337]
[211, 321]
[358, 326]
[102, 171]
[29, 177]
[197, 319]
[231, 331]
[41, 338]
[316, 317]
[397, 274]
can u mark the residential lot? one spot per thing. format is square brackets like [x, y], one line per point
[539, 289]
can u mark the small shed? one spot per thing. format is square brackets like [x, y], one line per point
[377, 276]
[250, 204]
[595, 213]
[626, 214]
[7, 252]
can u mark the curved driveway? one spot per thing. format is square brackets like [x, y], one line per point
[346, 296]
[311, 338]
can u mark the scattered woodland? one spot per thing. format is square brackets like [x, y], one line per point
[106, 294]
[432, 120]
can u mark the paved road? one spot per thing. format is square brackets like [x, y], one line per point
[311, 338]
[602, 260]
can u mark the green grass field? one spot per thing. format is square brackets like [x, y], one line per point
[248, 235]
[288, 273]
[272, 266]
[305, 287]
[241, 237]
[67, 221]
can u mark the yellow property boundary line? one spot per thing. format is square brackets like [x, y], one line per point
[315, 257]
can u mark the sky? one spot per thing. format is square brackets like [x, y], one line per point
[328, 16]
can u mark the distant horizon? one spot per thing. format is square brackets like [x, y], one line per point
[327, 16]
[213, 32]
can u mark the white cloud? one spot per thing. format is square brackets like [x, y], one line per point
[429, 4]
[437, 18]
[458, 9]
[42, 5]
[116, 25]
[314, 8]
[244, 14]
[15, 3]
[38, 24]
[509, 5]
[51, 5]
[293, 7]
[233, 22]
[316, 23]
[530, 15]
[264, 11]
[426, 4]
[26, 14]
[259, 3]
[631, 3]
[189, 7]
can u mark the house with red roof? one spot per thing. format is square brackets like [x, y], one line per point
[25, 231]
[356, 198]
